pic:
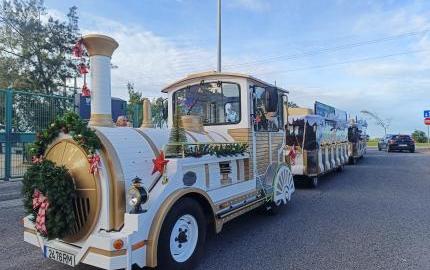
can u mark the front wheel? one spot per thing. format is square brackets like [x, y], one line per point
[182, 236]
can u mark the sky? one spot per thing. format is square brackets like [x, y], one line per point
[354, 55]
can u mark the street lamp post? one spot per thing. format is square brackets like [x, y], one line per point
[219, 37]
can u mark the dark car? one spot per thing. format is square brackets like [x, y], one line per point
[383, 142]
[397, 143]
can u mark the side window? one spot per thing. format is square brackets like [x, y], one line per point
[267, 111]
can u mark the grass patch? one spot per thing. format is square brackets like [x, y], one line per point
[373, 143]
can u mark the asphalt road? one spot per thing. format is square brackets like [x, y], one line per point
[374, 215]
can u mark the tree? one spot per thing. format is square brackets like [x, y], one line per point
[36, 54]
[134, 97]
[134, 106]
[177, 136]
[292, 105]
[419, 136]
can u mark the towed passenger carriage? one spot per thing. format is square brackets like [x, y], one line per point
[357, 138]
[147, 209]
[316, 141]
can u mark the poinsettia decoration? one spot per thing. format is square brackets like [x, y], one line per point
[159, 163]
[94, 161]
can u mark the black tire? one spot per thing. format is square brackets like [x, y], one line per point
[379, 148]
[412, 150]
[270, 208]
[313, 182]
[186, 206]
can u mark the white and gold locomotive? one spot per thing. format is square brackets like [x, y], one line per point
[162, 219]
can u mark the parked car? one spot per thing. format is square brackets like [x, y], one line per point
[397, 143]
[383, 142]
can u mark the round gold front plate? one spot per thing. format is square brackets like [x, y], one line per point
[87, 203]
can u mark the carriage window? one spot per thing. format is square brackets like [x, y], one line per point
[217, 102]
[266, 117]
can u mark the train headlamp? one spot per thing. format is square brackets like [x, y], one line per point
[136, 196]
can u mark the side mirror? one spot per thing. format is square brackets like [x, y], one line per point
[272, 99]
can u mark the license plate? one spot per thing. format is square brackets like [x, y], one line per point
[403, 145]
[59, 256]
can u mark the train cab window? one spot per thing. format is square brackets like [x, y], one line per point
[267, 111]
[217, 102]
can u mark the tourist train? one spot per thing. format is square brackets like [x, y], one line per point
[153, 199]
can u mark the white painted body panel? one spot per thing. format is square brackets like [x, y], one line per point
[100, 84]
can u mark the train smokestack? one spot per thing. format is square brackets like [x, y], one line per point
[100, 49]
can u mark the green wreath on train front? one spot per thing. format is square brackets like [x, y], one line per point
[49, 192]
[48, 189]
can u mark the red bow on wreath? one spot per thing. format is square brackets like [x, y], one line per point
[82, 68]
[78, 49]
[94, 161]
[37, 159]
[292, 154]
[86, 91]
[40, 204]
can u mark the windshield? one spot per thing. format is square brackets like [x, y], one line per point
[217, 102]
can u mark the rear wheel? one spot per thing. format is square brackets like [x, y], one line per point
[182, 236]
[283, 188]
[313, 182]
[412, 150]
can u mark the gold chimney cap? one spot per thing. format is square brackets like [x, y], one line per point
[100, 44]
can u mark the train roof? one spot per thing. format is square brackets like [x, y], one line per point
[213, 75]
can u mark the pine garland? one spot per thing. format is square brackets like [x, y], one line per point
[56, 184]
[69, 123]
[219, 150]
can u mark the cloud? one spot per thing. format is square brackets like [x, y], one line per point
[253, 5]
[145, 59]
[381, 19]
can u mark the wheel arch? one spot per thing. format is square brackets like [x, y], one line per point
[199, 195]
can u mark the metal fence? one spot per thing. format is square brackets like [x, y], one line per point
[134, 114]
[22, 114]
